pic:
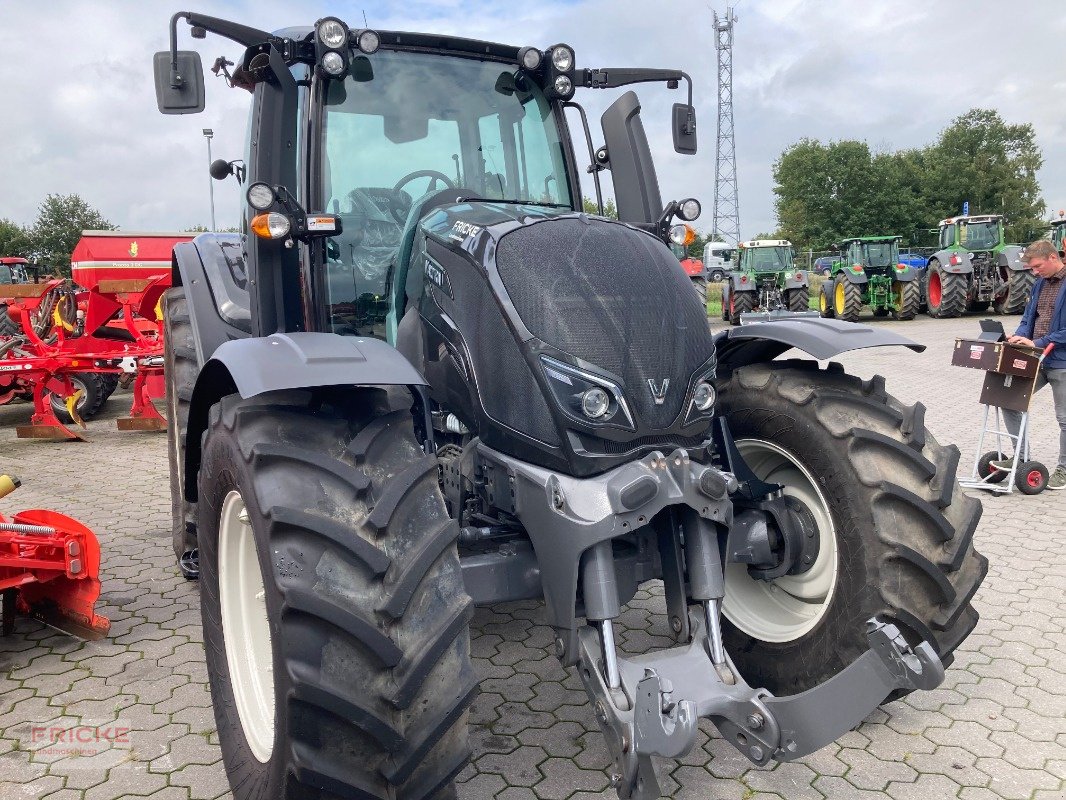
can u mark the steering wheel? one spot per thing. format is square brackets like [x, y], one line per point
[425, 173]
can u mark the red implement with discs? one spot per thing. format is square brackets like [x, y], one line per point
[49, 570]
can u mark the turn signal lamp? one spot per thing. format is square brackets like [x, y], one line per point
[682, 235]
[271, 225]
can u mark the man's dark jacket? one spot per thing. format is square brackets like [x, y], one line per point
[1057, 359]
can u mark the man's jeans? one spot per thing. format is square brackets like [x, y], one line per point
[1057, 379]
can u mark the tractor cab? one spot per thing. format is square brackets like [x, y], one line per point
[13, 270]
[1058, 232]
[877, 255]
[765, 256]
[974, 234]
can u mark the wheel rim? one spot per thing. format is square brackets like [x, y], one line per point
[78, 385]
[246, 627]
[841, 300]
[935, 290]
[1034, 478]
[821, 302]
[785, 609]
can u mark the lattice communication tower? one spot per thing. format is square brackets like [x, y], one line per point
[726, 203]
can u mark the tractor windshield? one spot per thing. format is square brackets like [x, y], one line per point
[979, 235]
[768, 259]
[880, 254]
[403, 125]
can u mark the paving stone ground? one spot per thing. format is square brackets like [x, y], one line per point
[995, 729]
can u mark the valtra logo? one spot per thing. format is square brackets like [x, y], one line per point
[133, 249]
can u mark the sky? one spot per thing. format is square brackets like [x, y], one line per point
[79, 112]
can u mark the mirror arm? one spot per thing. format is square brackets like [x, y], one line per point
[242, 34]
[594, 166]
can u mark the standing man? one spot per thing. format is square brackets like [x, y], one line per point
[1044, 323]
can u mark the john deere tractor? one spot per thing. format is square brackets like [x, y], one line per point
[765, 279]
[975, 268]
[869, 273]
[422, 378]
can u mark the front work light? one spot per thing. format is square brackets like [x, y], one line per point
[689, 209]
[332, 33]
[562, 58]
[529, 58]
[563, 85]
[333, 63]
[368, 41]
[271, 226]
[261, 196]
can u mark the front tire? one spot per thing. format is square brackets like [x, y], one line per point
[179, 371]
[847, 299]
[908, 297]
[825, 302]
[887, 505]
[369, 651]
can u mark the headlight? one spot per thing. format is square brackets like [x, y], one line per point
[689, 209]
[270, 226]
[563, 85]
[368, 41]
[260, 196]
[704, 396]
[586, 397]
[333, 63]
[332, 33]
[595, 402]
[562, 58]
[529, 58]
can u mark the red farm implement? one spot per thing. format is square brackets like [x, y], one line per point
[111, 327]
[49, 570]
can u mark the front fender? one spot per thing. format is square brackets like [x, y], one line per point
[822, 338]
[905, 275]
[943, 258]
[1011, 258]
[254, 366]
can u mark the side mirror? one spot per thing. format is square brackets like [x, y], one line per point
[179, 85]
[684, 126]
[220, 169]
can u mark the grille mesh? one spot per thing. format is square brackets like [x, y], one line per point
[614, 297]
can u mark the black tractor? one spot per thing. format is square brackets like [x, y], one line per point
[423, 379]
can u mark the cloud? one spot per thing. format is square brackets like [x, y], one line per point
[81, 116]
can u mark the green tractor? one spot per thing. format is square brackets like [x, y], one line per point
[975, 268]
[869, 273]
[765, 279]
[1058, 232]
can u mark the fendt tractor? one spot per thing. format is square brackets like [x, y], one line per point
[423, 379]
[764, 279]
[1058, 232]
[975, 268]
[869, 273]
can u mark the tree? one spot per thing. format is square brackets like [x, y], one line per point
[60, 221]
[610, 211]
[981, 159]
[14, 239]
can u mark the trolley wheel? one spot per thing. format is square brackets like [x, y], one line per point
[985, 470]
[1031, 478]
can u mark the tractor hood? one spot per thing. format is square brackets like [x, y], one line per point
[546, 303]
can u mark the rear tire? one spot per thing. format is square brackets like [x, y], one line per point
[901, 526]
[179, 371]
[368, 617]
[946, 296]
[847, 299]
[799, 299]
[740, 303]
[700, 285]
[1032, 477]
[1019, 287]
[986, 471]
[910, 297]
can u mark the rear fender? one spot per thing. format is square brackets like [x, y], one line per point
[797, 281]
[964, 267]
[855, 277]
[742, 282]
[821, 338]
[254, 366]
[1010, 257]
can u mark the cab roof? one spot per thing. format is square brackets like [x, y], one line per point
[970, 219]
[765, 243]
[871, 239]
